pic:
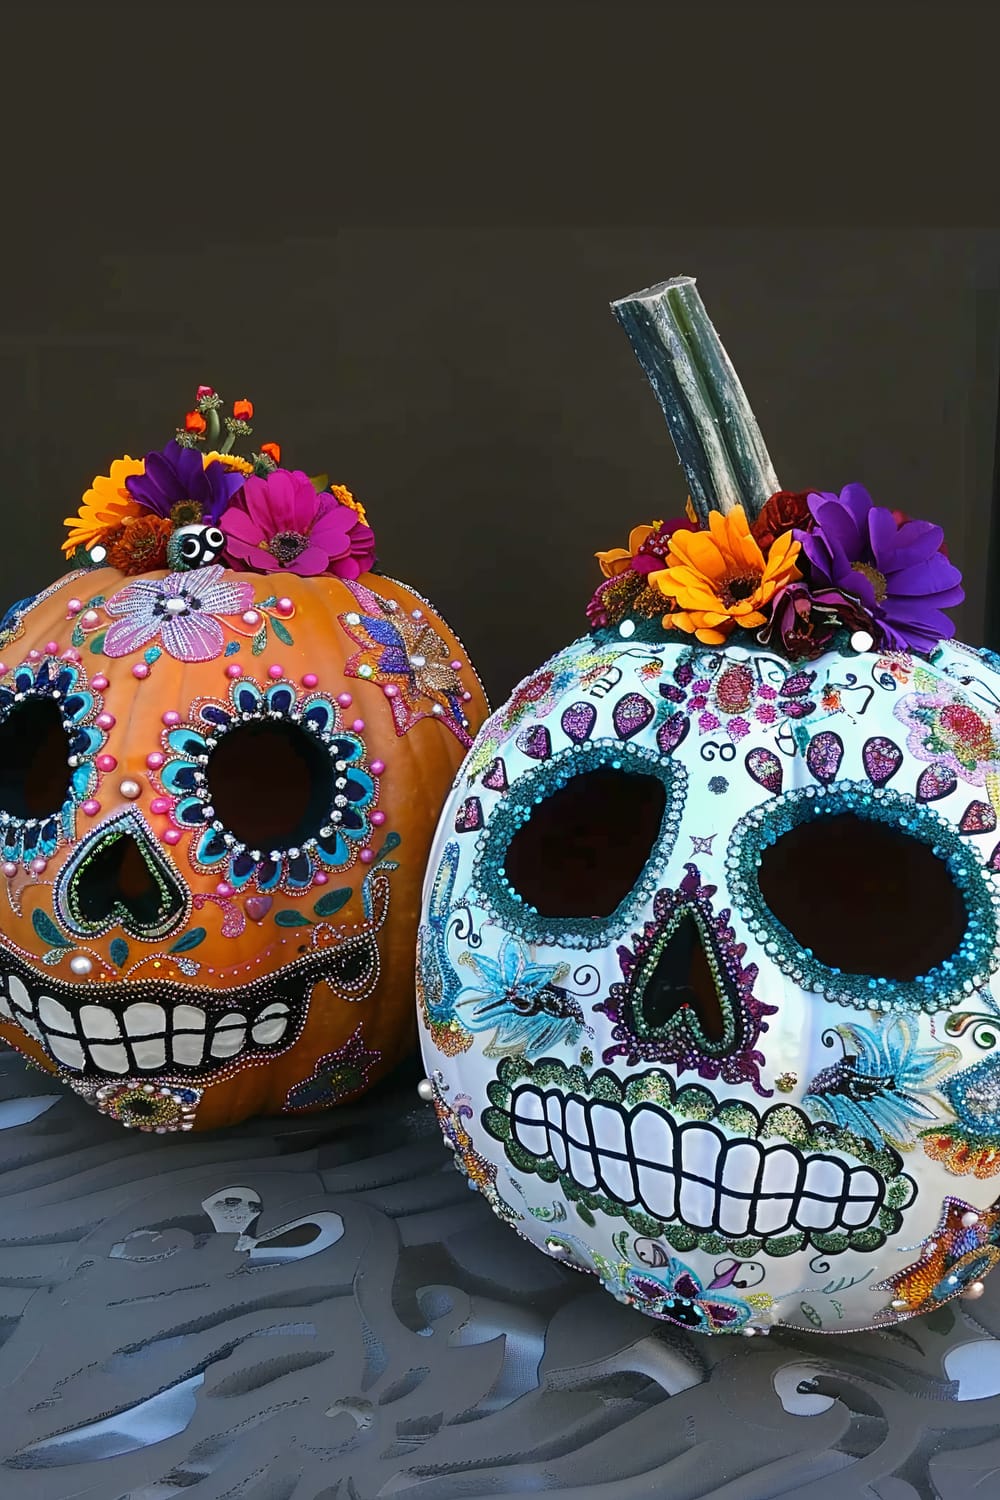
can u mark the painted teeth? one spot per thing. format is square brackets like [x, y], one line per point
[143, 1037]
[692, 1172]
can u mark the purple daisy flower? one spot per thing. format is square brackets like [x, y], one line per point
[180, 474]
[897, 571]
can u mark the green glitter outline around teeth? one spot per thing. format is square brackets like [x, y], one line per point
[780, 1122]
[956, 979]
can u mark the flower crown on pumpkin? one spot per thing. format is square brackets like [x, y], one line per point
[195, 500]
[799, 570]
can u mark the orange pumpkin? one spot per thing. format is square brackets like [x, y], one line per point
[217, 793]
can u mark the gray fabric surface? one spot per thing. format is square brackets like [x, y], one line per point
[373, 1331]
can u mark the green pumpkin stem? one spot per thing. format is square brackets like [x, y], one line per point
[713, 428]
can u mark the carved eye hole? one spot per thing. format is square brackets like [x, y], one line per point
[577, 844]
[271, 784]
[864, 897]
[585, 845]
[34, 775]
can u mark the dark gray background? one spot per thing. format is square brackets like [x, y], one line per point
[474, 390]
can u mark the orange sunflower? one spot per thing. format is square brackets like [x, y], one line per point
[105, 506]
[720, 579]
[619, 559]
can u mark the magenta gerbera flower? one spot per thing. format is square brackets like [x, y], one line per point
[282, 522]
[897, 571]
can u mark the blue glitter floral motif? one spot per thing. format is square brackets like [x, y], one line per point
[63, 684]
[218, 851]
[883, 1087]
[956, 978]
[490, 886]
[522, 1003]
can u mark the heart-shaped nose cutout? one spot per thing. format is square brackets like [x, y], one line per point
[679, 985]
[119, 877]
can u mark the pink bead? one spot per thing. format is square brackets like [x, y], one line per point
[321, 877]
[390, 690]
[172, 836]
[38, 866]
[4, 669]
[378, 818]
[100, 682]
[284, 607]
[160, 805]
[105, 721]
[154, 759]
[74, 606]
[456, 665]
[34, 655]
[9, 868]
[70, 654]
[140, 670]
[309, 679]
[91, 807]
[275, 672]
[377, 767]
[366, 856]
[224, 889]
[52, 648]
[345, 700]
[466, 697]
[89, 618]
[234, 670]
[105, 762]
[251, 617]
[358, 725]
[171, 717]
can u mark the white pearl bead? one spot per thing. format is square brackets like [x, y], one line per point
[425, 1090]
[80, 964]
[861, 641]
[626, 628]
[129, 789]
[973, 1290]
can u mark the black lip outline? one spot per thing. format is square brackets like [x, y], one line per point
[292, 985]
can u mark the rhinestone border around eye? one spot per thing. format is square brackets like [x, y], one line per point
[955, 979]
[490, 887]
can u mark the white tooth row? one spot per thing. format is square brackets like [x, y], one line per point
[691, 1172]
[148, 1027]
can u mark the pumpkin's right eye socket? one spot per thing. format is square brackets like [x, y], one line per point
[34, 769]
[584, 847]
[271, 784]
[577, 844]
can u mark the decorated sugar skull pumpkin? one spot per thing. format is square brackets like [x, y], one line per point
[224, 743]
[708, 957]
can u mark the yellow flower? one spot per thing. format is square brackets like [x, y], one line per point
[619, 559]
[231, 461]
[105, 505]
[719, 579]
[345, 497]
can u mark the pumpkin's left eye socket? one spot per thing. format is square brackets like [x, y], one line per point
[864, 896]
[34, 774]
[271, 784]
